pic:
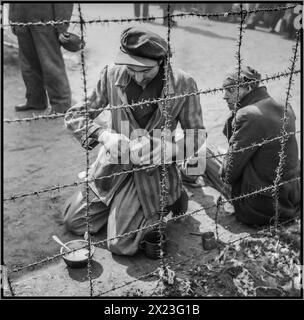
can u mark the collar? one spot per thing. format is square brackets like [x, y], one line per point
[254, 96]
[123, 78]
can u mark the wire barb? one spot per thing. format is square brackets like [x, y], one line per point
[147, 19]
[144, 103]
[282, 155]
[87, 219]
[234, 111]
[164, 131]
[164, 271]
[139, 169]
[153, 226]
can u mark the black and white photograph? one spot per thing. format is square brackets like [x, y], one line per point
[192, 191]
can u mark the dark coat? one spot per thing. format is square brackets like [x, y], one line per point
[32, 12]
[260, 118]
[41, 60]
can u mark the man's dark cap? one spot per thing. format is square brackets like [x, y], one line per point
[246, 74]
[141, 47]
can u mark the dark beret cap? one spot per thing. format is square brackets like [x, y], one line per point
[140, 42]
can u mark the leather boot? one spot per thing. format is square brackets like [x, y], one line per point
[25, 107]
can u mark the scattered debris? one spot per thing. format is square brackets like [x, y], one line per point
[266, 265]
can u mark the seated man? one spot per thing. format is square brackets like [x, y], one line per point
[258, 118]
[130, 201]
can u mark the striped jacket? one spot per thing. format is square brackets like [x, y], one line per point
[110, 90]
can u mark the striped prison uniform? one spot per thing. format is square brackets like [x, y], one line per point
[128, 200]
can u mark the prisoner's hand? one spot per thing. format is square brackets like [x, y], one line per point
[116, 144]
[171, 150]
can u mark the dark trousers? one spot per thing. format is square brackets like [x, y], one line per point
[43, 68]
[145, 9]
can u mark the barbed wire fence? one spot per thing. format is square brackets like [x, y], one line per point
[234, 111]
[277, 76]
[152, 226]
[87, 188]
[165, 104]
[152, 166]
[282, 155]
[164, 131]
[150, 18]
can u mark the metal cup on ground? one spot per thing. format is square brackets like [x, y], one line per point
[152, 245]
[77, 259]
[208, 239]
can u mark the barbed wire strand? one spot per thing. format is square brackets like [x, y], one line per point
[139, 169]
[164, 131]
[277, 182]
[9, 281]
[145, 19]
[49, 189]
[218, 208]
[185, 260]
[181, 262]
[146, 275]
[152, 226]
[187, 214]
[228, 158]
[231, 13]
[146, 103]
[10, 286]
[87, 189]
[282, 155]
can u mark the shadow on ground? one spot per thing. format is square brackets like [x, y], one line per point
[81, 274]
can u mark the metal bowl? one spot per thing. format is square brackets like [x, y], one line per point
[79, 258]
[152, 245]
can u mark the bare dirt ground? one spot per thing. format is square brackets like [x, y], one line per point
[43, 153]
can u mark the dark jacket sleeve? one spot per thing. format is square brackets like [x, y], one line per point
[76, 121]
[62, 12]
[247, 132]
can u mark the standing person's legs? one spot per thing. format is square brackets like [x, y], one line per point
[145, 10]
[53, 67]
[31, 70]
[74, 213]
[275, 19]
[127, 215]
[165, 14]
[137, 9]
[252, 20]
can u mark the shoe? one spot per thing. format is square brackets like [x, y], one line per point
[25, 107]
